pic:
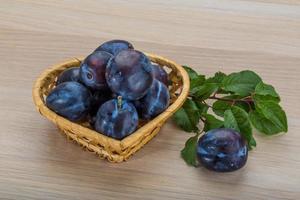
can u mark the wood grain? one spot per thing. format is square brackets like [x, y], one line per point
[36, 162]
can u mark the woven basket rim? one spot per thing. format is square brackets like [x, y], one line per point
[127, 141]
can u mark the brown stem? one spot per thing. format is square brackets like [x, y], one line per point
[246, 100]
[203, 120]
[207, 104]
[248, 103]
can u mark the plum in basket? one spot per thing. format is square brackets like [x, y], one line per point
[93, 68]
[160, 74]
[128, 74]
[117, 118]
[71, 74]
[71, 100]
[154, 102]
[114, 46]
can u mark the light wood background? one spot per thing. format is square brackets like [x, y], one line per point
[36, 162]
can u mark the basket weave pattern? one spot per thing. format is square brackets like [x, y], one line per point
[105, 147]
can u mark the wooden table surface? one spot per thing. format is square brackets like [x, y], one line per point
[36, 162]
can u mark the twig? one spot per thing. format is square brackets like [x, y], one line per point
[204, 102]
[232, 100]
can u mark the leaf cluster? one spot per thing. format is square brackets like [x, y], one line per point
[241, 101]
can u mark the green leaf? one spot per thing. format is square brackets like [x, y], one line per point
[252, 143]
[197, 81]
[258, 97]
[219, 107]
[243, 106]
[211, 122]
[241, 83]
[274, 113]
[187, 117]
[204, 91]
[230, 121]
[217, 78]
[266, 90]
[202, 107]
[262, 124]
[192, 73]
[195, 78]
[237, 119]
[188, 153]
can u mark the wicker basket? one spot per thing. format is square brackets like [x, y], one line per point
[106, 147]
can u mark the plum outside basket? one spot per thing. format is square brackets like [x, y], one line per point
[105, 147]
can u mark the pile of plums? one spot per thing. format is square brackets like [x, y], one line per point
[113, 89]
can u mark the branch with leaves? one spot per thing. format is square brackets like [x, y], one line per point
[239, 101]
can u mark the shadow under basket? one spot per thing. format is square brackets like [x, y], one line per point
[105, 147]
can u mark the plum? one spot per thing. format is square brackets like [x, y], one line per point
[98, 98]
[71, 100]
[222, 150]
[128, 74]
[71, 74]
[114, 46]
[116, 118]
[154, 102]
[160, 74]
[93, 68]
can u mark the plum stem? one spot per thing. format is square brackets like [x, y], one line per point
[119, 102]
